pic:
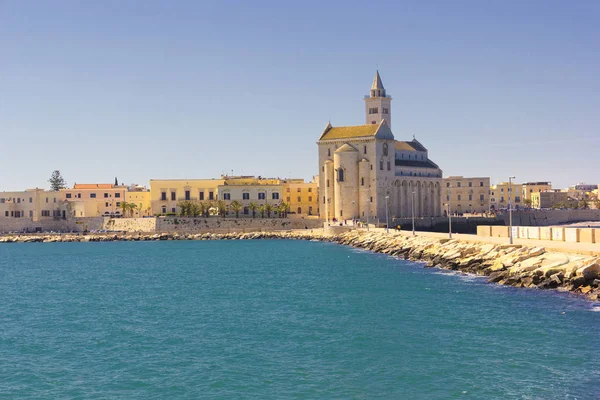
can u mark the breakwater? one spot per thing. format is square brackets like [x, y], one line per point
[515, 265]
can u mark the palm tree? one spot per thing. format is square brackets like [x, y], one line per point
[282, 209]
[193, 209]
[268, 209]
[222, 208]
[183, 207]
[124, 207]
[253, 206]
[132, 208]
[261, 210]
[236, 206]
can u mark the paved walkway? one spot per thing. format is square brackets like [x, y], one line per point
[550, 245]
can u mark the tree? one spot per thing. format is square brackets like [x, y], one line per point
[253, 206]
[183, 207]
[282, 209]
[236, 206]
[125, 206]
[132, 208]
[261, 210]
[583, 204]
[527, 202]
[222, 208]
[597, 204]
[268, 209]
[194, 209]
[57, 182]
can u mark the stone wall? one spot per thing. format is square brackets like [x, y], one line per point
[440, 224]
[130, 224]
[224, 225]
[551, 217]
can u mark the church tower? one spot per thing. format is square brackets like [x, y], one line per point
[378, 104]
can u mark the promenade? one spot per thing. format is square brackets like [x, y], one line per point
[592, 249]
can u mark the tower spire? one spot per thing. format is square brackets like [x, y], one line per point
[377, 84]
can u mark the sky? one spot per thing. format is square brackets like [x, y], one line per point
[144, 90]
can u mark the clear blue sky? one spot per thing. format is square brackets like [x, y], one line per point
[190, 89]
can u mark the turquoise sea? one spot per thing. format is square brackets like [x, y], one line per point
[277, 319]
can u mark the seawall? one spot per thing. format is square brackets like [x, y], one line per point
[515, 265]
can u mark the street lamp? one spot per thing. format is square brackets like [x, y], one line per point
[449, 221]
[510, 233]
[368, 208]
[353, 216]
[413, 212]
[387, 222]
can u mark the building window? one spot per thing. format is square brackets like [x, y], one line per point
[309, 199]
[287, 199]
[329, 152]
[106, 204]
[362, 181]
[470, 197]
[381, 165]
[323, 200]
[246, 210]
[201, 195]
[458, 184]
[163, 196]
[501, 199]
[18, 200]
[447, 197]
[364, 149]
[275, 196]
[287, 190]
[299, 199]
[310, 210]
[106, 195]
[385, 149]
[341, 175]
[118, 204]
[164, 209]
[298, 190]
[187, 195]
[327, 182]
[299, 210]
[45, 213]
[371, 200]
[385, 111]
[323, 168]
[68, 195]
[117, 195]
[246, 196]
[517, 199]
[459, 197]
[211, 195]
[373, 110]
[173, 209]
[173, 196]
[261, 196]
[92, 195]
[389, 166]
[226, 196]
[481, 184]
[6, 212]
[447, 184]
[480, 197]
[470, 184]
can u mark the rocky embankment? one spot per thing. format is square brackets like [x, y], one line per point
[519, 266]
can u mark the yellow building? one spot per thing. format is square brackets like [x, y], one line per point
[34, 204]
[466, 195]
[301, 197]
[165, 194]
[534, 187]
[250, 189]
[499, 195]
[95, 199]
[140, 196]
[548, 199]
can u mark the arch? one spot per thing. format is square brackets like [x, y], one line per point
[385, 149]
[299, 210]
[340, 176]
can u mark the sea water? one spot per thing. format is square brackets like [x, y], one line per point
[277, 319]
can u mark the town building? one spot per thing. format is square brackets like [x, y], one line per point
[165, 194]
[548, 199]
[466, 195]
[94, 199]
[140, 197]
[534, 187]
[499, 196]
[301, 197]
[249, 190]
[364, 172]
[33, 204]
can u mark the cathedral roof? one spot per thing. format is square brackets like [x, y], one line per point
[416, 163]
[413, 145]
[377, 84]
[346, 148]
[349, 132]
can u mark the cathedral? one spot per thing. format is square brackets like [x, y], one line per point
[363, 169]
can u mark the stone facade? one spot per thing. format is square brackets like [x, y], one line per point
[466, 195]
[499, 195]
[32, 204]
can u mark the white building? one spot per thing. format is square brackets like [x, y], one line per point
[362, 168]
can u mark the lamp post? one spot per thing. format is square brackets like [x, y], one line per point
[510, 233]
[413, 212]
[368, 208]
[353, 216]
[448, 192]
[387, 222]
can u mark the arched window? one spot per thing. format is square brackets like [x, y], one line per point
[362, 181]
[385, 149]
[340, 175]
[299, 210]
[381, 165]
[389, 166]
[329, 152]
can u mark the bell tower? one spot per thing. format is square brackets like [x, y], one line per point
[378, 104]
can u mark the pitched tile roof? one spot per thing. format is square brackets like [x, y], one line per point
[345, 132]
[416, 163]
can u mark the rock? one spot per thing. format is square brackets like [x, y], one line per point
[585, 289]
[590, 271]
